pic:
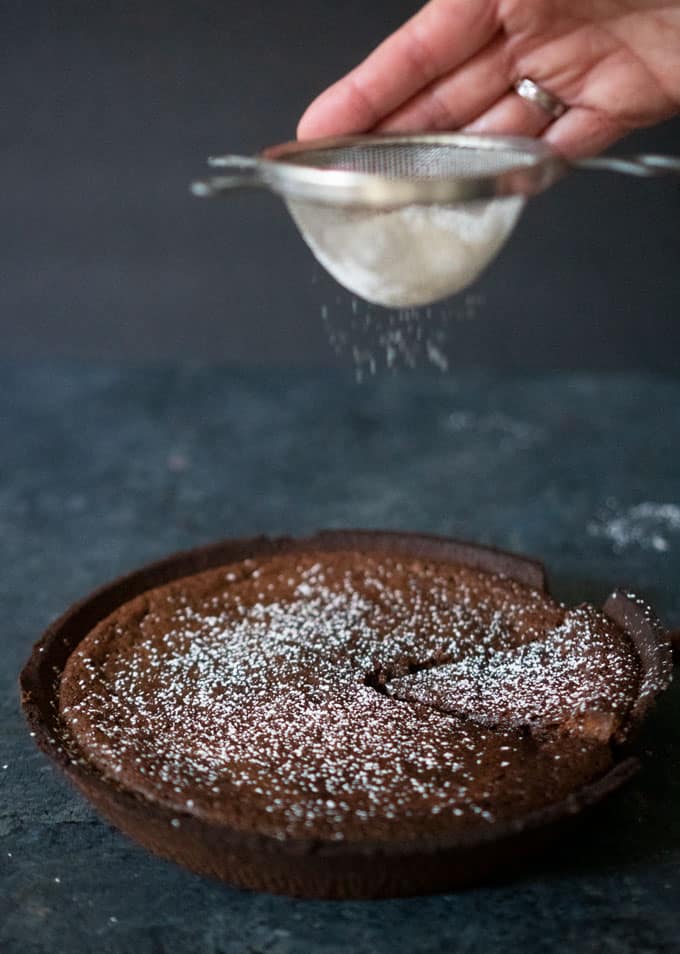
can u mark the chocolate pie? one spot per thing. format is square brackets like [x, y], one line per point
[352, 715]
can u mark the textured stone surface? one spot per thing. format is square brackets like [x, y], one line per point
[104, 469]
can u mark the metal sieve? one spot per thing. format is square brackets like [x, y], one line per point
[404, 220]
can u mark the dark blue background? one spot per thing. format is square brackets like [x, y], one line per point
[109, 110]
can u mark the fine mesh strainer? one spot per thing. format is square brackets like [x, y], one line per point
[405, 220]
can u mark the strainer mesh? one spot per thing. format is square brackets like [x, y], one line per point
[415, 160]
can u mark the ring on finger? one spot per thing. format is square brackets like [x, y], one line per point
[533, 93]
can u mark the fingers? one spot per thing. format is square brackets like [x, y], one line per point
[512, 116]
[583, 132]
[438, 38]
[458, 97]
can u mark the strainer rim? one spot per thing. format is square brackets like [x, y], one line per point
[278, 167]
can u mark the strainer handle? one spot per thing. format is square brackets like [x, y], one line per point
[244, 174]
[645, 165]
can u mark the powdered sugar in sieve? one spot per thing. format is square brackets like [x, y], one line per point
[408, 256]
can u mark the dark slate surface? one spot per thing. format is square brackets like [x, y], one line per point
[104, 469]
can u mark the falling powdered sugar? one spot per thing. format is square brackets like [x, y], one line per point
[376, 340]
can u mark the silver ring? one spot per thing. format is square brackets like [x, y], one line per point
[533, 93]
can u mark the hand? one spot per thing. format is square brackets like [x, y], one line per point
[614, 63]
